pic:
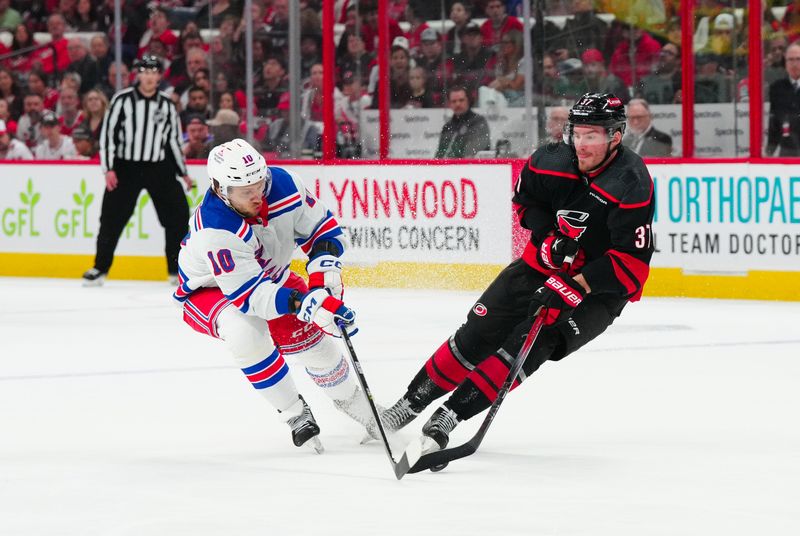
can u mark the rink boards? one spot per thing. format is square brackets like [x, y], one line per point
[721, 229]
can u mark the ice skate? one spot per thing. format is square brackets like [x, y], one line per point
[399, 415]
[357, 408]
[304, 428]
[93, 278]
[438, 429]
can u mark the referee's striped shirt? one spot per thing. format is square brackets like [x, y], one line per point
[140, 129]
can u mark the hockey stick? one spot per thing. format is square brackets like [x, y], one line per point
[363, 381]
[413, 461]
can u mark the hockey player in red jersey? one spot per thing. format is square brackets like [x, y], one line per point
[588, 203]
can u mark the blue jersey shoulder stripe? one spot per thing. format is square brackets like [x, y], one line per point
[283, 185]
[217, 215]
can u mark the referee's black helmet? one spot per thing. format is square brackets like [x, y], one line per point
[149, 61]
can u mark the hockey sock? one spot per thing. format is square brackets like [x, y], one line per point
[480, 388]
[335, 381]
[270, 377]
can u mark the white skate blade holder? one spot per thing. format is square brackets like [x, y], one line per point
[315, 444]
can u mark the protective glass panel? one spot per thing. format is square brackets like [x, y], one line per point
[780, 27]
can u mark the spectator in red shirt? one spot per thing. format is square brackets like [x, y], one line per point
[369, 27]
[645, 56]
[56, 26]
[159, 29]
[418, 26]
[497, 24]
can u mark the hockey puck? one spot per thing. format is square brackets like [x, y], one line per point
[437, 468]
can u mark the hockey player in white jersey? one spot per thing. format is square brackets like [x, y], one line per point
[235, 284]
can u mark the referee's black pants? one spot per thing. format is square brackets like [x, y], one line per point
[172, 209]
[496, 327]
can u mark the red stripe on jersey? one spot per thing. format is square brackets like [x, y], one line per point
[267, 372]
[448, 364]
[605, 194]
[437, 378]
[327, 226]
[243, 229]
[519, 210]
[496, 371]
[639, 269]
[643, 203]
[553, 172]
[288, 201]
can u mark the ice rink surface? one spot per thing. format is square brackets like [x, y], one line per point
[118, 420]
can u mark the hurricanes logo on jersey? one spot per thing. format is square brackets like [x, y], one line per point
[568, 223]
[479, 309]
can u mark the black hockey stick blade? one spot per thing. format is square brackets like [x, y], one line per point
[364, 387]
[413, 461]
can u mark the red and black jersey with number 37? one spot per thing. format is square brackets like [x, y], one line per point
[608, 211]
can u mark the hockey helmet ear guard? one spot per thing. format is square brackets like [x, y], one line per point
[596, 109]
[237, 163]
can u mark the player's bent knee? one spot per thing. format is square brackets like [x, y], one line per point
[325, 354]
[246, 337]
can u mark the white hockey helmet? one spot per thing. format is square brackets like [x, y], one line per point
[237, 163]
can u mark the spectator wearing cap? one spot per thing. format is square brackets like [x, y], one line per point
[70, 115]
[198, 142]
[470, 64]
[399, 69]
[497, 24]
[460, 15]
[664, 83]
[594, 79]
[635, 55]
[272, 86]
[641, 136]
[356, 60]
[54, 145]
[140, 148]
[509, 69]
[82, 63]
[159, 29]
[783, 130]
[711, 83]
[720, 42]
[28, 125]
[467, 132]
[11, 148]
[224, 126]
[198, 105]
[85, 144]
[439, 69]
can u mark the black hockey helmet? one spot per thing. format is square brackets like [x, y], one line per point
[601, 109]
[149, 61]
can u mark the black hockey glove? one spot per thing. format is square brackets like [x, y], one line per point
[556, 252]
[559, 296]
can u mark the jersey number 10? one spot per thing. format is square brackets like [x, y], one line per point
[223, 262]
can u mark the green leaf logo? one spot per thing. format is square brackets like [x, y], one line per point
[83, 199]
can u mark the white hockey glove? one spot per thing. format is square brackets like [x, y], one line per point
[319, 307]
[325, 271]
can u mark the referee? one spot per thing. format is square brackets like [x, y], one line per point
[140, 147]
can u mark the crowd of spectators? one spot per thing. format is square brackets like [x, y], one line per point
[587, 46]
